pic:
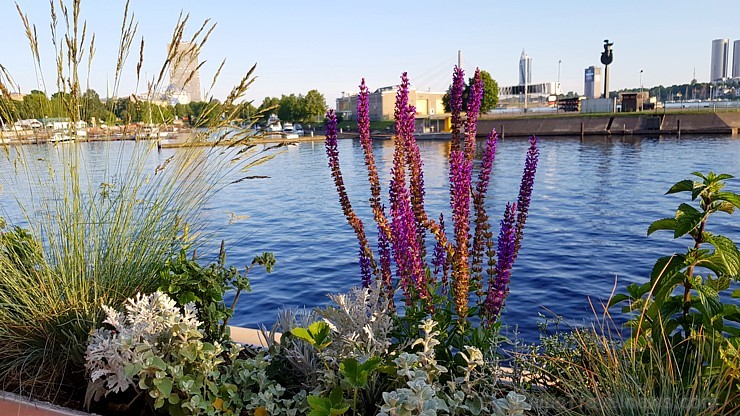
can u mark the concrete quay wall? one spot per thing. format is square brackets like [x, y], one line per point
[566, 125]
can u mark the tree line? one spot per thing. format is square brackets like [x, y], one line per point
[36, 105]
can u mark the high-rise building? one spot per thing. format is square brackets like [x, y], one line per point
[592, 82]
[184, 76]
[525, 69]
[720, 52]
[736, 59]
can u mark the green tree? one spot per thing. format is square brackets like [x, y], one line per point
[35, 105]
[92, 107]
[490, 94]
[184, 111]
[291, 108]
[247, 112]
[314, 106]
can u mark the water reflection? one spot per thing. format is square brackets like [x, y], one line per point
[591, 206]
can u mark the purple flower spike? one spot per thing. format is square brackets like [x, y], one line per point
[482, 225]
[456, 104]
[525, 190]
[367, 263]
[498, 288]
[471, 123]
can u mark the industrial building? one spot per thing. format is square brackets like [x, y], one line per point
[383, 100]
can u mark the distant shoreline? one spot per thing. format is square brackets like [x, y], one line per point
[617, 124]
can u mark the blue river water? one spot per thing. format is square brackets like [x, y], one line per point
[592, 203]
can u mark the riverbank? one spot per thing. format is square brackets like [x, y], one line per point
[643, 124]
[615, 124]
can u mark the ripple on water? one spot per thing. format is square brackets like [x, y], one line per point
[592, 204]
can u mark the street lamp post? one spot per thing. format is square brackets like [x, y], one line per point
[557, 89]
[640, 98]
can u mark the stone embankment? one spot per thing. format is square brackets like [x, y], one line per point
[640, 124]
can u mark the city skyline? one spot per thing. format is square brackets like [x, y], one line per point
[330, 46]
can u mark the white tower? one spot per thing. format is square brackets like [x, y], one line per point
[525, 69]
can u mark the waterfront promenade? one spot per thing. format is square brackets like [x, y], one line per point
[619, 124]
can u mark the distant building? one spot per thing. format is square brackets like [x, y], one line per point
[184, 74]
[720, 55]
[736, 59]
[525, 69]
[592, 82]
[538, 90]
[383, 100]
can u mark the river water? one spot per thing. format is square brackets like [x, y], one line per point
[591, 206]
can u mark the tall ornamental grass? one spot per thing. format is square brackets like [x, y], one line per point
[98, 229]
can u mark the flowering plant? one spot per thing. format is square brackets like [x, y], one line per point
[448, 284]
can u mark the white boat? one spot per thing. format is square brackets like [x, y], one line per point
[288, 132]
[273, 124]
[61, 137]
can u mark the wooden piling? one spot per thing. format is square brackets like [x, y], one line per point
[678, 127]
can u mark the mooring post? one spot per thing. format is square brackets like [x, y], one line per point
[503, 132]
[582, 131]
[678, 122]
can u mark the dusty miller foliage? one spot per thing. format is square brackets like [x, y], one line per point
[361, 323]
[151, 326]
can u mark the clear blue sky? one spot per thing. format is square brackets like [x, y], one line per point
[330, 45]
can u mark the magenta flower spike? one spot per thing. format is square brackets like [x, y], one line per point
[498, 288]
[367, 263]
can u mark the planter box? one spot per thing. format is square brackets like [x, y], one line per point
[13, 404]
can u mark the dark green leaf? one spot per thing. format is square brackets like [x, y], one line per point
[698, 190]
[673, 305]
[709, 299]
[666, 267]
[662, 224]
[618, 298]
[320, 406]
[336, 397]
[666, 286]
[637, 291]
[725, 261]
[687, 218]
[723, 176]
[719, 284]
[683, 186]
[730, 197]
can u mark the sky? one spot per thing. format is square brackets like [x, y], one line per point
[330, 45]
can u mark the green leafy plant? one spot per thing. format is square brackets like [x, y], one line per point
[333, 405]
[356, 374]
[679, 310]
[187, 281]
[317, 334]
